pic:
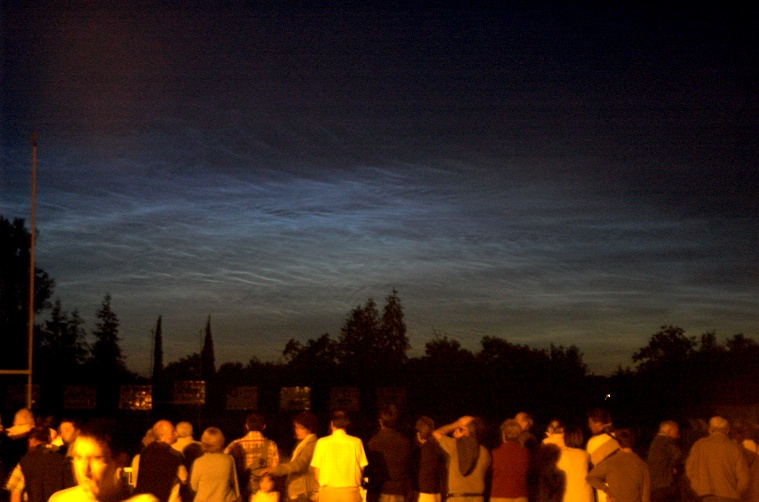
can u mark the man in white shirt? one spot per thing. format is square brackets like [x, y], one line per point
[339, 461]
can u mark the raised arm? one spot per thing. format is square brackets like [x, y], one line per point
[447, 429]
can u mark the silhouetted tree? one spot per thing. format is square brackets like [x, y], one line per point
[394, 331]
[372, 349]
[186, 368]
[157, 352]
[445, 379]
[158, 379]
[360, 348]
[208, 360]
[679, 375]
[310, 363]
[62, 346]
[669, 346]
[517, 376]
[48, 340]
[15, 243]
[568, 382]
[107, 358]
[741, 370]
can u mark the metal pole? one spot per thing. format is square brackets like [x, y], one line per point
[31, 271]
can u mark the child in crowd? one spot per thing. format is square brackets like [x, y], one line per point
[266, 491]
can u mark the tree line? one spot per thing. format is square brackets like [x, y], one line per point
[674, 375]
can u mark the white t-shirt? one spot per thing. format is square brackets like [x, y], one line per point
[340, 459]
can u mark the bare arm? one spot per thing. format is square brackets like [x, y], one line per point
[182, 474]
[447, 429]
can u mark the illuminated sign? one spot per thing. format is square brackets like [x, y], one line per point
[295, 398]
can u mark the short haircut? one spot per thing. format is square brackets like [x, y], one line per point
[555, 427]
[476, 428]
[255, 422]
[40, 433]
[573, 437]
[308, 420]
[389, 416]
[340, 420]
[625, 438]
[184, 430]
[73, 421]
[163, 428]
[212, 440]
[718, 424]
[425, 426]
[24, 416]
[510, 430]
[525, 417]
[668, 426]
[599, 415]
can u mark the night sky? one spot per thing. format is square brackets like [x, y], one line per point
[540, 173]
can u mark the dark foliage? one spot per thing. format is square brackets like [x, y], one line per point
[15, 244]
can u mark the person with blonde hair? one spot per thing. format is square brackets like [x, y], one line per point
[213, 476]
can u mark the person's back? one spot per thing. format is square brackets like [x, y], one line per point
[213, 475]
[428, 463]
[664, 462]
[468, 461]
[335, 457]
[338, 463]
[623, 476]
[160, 465]
[42, 468]
[389, 454]
[716, 466]
[510, 464]
[252, 453]
[158, 470]
[574, 463]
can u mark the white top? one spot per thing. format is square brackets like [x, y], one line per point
[260, 496]
[340, 459]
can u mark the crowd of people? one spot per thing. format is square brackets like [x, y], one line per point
[87, 462]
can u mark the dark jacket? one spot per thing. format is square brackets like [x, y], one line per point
[42, 468]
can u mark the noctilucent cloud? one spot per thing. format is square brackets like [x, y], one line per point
[541, 174]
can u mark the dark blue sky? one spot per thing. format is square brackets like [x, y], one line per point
[545, 174]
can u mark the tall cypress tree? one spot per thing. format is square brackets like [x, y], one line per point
[158, 379]
[157, 352]
[208, 361]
